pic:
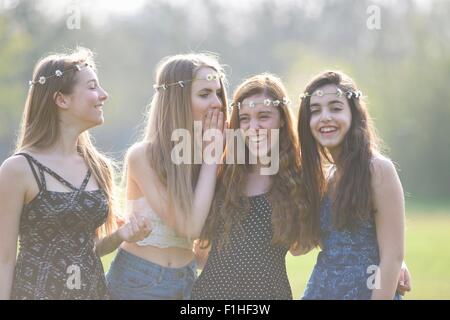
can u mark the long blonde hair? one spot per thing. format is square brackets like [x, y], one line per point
[40, 121]
[171, 109]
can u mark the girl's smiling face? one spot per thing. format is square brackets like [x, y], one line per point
[253, 119]
[331, 118]
[85, 103]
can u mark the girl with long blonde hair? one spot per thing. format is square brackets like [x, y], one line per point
[57, 190]
[175, 196]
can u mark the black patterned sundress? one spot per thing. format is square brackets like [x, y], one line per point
[56, 258]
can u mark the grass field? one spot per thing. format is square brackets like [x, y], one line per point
[427, 254]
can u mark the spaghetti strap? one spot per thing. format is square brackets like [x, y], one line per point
[63, 181]
[57, 177]
[30, 162]
[86, 180]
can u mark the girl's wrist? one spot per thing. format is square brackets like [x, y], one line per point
[117, 235]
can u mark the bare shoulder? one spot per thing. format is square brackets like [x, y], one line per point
[16, 167]
[382, 168]
[137, 162]
[136, 154]
[15, 176]
[385, 179]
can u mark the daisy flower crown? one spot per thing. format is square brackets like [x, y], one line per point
[58, 74]
[265, 102]
[339, 93]
[181, 83]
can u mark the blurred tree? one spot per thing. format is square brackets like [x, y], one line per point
[403, 68]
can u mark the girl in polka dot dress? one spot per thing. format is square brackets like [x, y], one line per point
[256, 213]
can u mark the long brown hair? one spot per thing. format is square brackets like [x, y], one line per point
[40, 121]
[286, 193]
[171, 109]
[352, 197]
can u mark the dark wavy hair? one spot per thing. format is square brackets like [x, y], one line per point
[352, 197]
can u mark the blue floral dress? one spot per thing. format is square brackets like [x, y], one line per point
[345, 268]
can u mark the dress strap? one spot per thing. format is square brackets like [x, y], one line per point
[56, 176]
[40, 182]
[43, 168]
[86, 180]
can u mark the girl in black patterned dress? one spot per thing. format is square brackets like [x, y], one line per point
[257, 208]
[59, 221]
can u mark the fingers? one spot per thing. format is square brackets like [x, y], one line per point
[214, 119]
[120, 220]
[220, 124]
[401, 279]
[147, 228]
[134, 225]
[407, 280]
[215, 116]
[208, 119]
[407, 286]
[403, 282]
[401, 290]
[143, 229]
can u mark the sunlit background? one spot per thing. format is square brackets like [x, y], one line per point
[402, 66]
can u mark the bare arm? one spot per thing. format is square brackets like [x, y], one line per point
[12, 195]
[142, 175]
[389, 220]
[133, 231]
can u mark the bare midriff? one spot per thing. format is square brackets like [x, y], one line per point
[171, 257]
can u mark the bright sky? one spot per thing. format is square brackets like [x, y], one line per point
[131, 6]
[99, 10]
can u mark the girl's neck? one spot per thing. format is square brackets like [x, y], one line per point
[65, 146]
[255, 169]
[335, 153]
[257, 183]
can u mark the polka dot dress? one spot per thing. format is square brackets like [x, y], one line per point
[249, 267]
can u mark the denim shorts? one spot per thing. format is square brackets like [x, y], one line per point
[133, 278]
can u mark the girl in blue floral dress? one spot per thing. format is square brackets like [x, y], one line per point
[355, 198]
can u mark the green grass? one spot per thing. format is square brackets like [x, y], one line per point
[427, 257]
[427, 254]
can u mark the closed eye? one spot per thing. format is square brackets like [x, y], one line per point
[92, 84]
